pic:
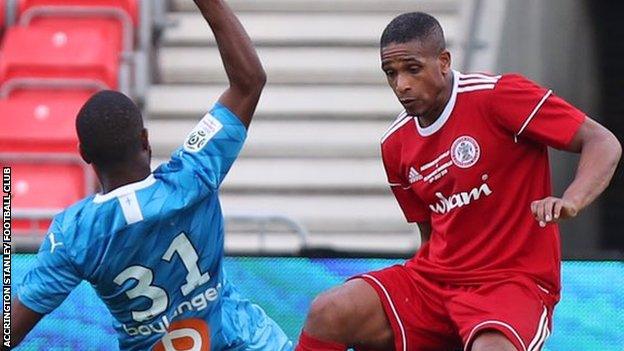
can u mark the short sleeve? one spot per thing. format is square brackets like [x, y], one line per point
[412, 206]
[527, 110]
[53, 276]
[212, 146]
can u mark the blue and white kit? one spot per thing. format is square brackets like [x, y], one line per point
[153, 251]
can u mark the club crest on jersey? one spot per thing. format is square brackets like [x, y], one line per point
[414, 176]
[465, 152]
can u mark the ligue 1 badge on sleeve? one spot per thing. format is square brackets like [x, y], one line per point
[195, 141]
[207, 128]
[465, 152]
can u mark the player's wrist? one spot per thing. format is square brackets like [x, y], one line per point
[574, 201]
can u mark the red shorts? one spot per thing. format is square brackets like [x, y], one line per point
[425, 315]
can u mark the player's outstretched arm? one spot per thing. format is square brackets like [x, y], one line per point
[23, 319]
[600, 153]
[242, 65]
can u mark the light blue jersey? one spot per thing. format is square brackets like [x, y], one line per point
[153, 251]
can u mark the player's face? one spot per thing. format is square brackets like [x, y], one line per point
[416, 72]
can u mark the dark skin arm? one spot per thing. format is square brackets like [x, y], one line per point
[242, 65]
[600, 153]
[23, 319]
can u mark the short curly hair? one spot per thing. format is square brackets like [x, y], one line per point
[414, 26]
[109, 127]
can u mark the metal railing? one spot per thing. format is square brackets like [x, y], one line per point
[50, 83]
[264, 221]
[28, 240]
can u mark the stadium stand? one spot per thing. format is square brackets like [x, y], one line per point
[38, 52]
[310, 166]
[55, 54]
[39, 125]
[43, 185]
[313, 149]
[129, 6]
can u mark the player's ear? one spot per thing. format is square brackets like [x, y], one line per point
[145, 139]
[83, 154]
[444, 60]
[145, 142]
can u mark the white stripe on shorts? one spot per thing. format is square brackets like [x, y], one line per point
[513, 331]
[394, 311]
[541, 326]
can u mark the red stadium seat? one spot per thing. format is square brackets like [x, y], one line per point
[75, 53]
[41, 189]
[117, 18]
[42, 125]
[42, 93]
[129, 6]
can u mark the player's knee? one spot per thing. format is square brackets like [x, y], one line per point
[328, 316]
[492, 341]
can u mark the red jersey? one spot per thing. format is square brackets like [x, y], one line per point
[474, 173]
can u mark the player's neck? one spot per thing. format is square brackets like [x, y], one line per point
[112, 179]
[429, 118]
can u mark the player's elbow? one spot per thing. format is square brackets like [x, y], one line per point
[257, 80]
[603, 143]
[251, 83]
[618, 148]
[614, 153]
[260, 78]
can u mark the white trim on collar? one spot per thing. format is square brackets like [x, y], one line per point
[448, 109]
[122, 190]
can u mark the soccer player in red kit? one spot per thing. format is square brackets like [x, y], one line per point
[468, 162]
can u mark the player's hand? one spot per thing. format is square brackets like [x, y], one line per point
[552, 210]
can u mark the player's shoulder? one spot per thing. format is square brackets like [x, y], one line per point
[476, 83]
[393, 131]
[69, 216]
[66, 224]
[483, 82]
[486, 87]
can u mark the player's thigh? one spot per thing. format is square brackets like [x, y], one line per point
[350, 314]
[490, 340]
[414, 307]
[516, 308]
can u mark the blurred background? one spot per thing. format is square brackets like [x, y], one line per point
[310, 174]
[310, 178]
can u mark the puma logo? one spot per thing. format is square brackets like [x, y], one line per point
[53, 242]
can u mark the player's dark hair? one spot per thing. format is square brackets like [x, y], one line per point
[414, 26]
[109, 127]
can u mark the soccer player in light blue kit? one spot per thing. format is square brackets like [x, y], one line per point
[151, 244]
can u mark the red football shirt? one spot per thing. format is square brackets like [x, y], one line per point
[474, 173]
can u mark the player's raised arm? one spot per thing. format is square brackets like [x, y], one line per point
[242, 65]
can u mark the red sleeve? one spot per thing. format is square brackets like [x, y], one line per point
[413, 207]
[527, 110]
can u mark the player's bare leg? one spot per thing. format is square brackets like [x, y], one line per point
[492, 341]
[350, 315]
